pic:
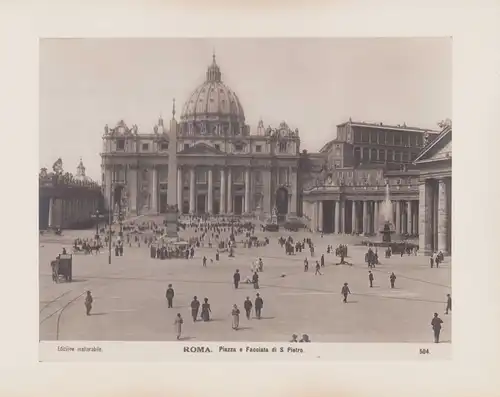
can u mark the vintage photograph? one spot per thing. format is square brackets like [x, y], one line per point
[245, 190]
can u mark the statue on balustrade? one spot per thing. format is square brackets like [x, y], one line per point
[43, 173]
[57, 167]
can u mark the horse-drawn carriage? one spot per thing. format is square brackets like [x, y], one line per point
[62, 267]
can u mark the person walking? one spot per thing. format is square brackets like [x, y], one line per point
[259, 304]
[88, 302]
[178, 325]
[205, 310]
[170, 296]
[236, 317]
[436, 326]
[294, 338]
[317, 269]
[322, 260]
[204, 261]
[236, 278]
[448, 304]
[255, 280]
[305, 339]
[345, 291]
[248, 307]
[392, 279]
[370, 278]
[306, 265]
[195, 307]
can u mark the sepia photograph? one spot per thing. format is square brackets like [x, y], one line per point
[281, 190]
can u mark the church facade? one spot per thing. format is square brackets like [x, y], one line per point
[223, 165]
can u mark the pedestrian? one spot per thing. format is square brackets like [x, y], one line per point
[195, 307]
[204, 261]
[392, 279]
[371, 278]
[294, 338]
[259, 304]
[322, 260]
[255, 280]
[431, 259]
[88, 302]
[170, 296]
[178, 325]
[345, 291]
[436, 326]
[236, 317]
[306, 265]
[448, 304]
[236, 278]
[205, 310]
[317, 269]
[305, 338]
[217, 255]
[248, 307]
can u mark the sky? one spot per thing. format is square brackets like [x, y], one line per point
[311, 84]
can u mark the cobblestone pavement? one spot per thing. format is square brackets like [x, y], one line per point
[130, 305]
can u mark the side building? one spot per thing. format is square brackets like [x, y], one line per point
[346, 195]
[67, 201]
[223, 166]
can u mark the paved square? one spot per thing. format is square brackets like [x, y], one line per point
[130, 305]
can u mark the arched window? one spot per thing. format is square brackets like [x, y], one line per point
[381, 155]
[374, 155]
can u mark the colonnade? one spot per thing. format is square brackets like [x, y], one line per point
[65, 212]
[435, 219]
[363, 216]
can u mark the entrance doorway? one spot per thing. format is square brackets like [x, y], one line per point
[200, 204]
[328, 216]
[185, 207]
[216, 207]
[163, 203]
[282, 201]
[238, 205]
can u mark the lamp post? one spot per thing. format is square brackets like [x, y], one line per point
[97, 215]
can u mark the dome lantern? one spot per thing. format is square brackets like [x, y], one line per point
[213, 72]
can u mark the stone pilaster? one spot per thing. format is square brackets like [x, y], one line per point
[229, 191]
[154, 191]
[192, 191]
[337, 216]
[425, 218]
[222, 205]
[210, 191]
[353, 218]
[343, 220]
[132, 187]
[180, 188]
[443, 216]
[376, 220]
[247, 190]
[409, 216]
[294, 187]
[365, 217]
[266, 188]
[320, 215]
[398, 217]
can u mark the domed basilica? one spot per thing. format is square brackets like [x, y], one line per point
[223, 165]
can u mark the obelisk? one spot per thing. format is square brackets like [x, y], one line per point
[172, 214]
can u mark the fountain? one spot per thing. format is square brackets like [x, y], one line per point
[386, 212]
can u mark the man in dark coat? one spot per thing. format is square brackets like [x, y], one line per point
[170, 296]
[448, 304]
[236, 278]
[259, 304]
[248, 307]
[322, 260]
[345, 291]
[392, 279]
[255, 280]
[195, 307]
[436, 326]
[370, 278]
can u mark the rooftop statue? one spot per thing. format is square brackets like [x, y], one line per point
[106, 130]
[57, 167]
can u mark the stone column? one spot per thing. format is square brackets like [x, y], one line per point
[229, 191]
[442, 216]
[180, 188]
[353, 218]
[425, 218]
[293, 183]
[192, 190]
[210, 191]
[342, 216]
[222, 205]
[266, 180]
[376, 217]
[51, 213]
[409, 217]
[337, 216]
[320, 215]
[365, 217]
[154, 191]
[247, 190]
[132, 183]
[107, 186]
[398, 217]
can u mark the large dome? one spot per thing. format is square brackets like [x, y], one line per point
[213, 100]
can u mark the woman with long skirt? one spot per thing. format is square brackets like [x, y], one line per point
[205, 310]
[236, 317]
